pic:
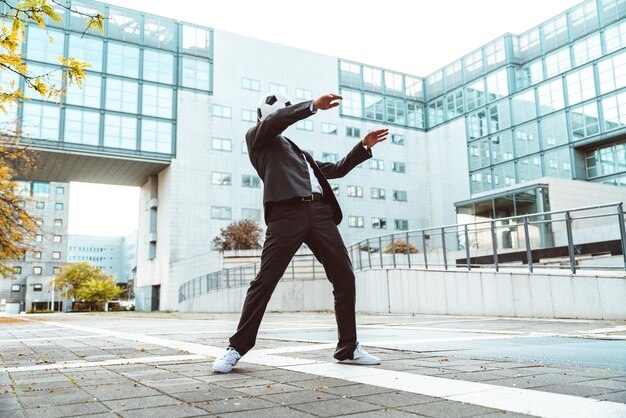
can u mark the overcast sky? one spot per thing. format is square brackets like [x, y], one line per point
[412, 36]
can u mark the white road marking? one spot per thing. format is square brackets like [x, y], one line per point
[525, 401]
[112, 362]
[77, 337]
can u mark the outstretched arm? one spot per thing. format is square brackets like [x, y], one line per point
[361, 152]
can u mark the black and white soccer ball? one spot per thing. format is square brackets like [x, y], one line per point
[270, 103]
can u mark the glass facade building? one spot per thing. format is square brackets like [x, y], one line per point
[539, 104]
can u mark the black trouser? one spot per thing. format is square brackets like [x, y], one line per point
[289, 225]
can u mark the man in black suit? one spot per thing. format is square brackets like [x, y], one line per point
[300, 207]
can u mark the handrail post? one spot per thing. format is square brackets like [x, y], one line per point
[529, 255]
[228, 278]
[393, 251]
[369, 254]
[494, 245]
[380, 250]
[570, 242]
[313, 264]
[425, 251]
[293, 269]
[408, 250]
[622, 230]
[443, 247]
[467, 249]
[358, 251]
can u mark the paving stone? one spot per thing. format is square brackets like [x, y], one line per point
[503, 414]
[250, 381]
[8, 402]
[62, 411]
[536, 381]
[387, 412]
[234, 405]
[395, 399]
[267, 389]
[110, 392]
[574, 390]
[12, 414]
[141, 402]
[613, 397]
[324, 382]
[207, 395]
[616, 385]
[171, 411]
[448, 409]
[302, 396]
[354, 390]
[276, 412]
[50, 399]
[335, 407]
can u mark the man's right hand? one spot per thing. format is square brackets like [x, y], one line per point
[327, 101]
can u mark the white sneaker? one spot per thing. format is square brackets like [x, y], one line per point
[228, 360]
[360, 356]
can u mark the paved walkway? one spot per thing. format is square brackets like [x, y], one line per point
[158, 365]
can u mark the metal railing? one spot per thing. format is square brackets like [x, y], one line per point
[592, 237]
[301, 266]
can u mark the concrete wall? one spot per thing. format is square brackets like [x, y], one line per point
[550, 294]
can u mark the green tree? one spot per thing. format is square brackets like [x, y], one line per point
[73, 276]
[98, 291]
[17, 226]
[239, 235]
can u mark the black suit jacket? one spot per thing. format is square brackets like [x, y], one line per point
[279, 162]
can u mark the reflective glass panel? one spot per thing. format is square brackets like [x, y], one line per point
[475, 95]
[614, 111]
[121, 95]
[555, 32]
[612, 73]
[372, 79]
[350, 74]
[41, 121]
[413, 86]
[550, 96]
[529, 168]
[393, 83]
[120, 131]
[159, 32]
[351, 103]
[158, 101]
[557, 163]
[587, 49]
[558, 62]
[584, 121]
[524, 106]
[615, 37]
[87, 48]
[374, 107]
[123, 60]
[526, 139]
[581, 85]
[583, 19]
[196, 40]
[124, 24]
[502, 147]
[497, 85]
[504, 175]
[156, 136]
[158, 66]
[88, 95]
[82, 127]
[196, 73]
[44, 45]
[554, 130]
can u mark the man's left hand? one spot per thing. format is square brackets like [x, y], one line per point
[375, 137]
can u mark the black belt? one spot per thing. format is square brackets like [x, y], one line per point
[315, 197]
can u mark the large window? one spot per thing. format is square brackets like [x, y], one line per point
[122, 95]
[587, 49]
[374, 107]
[454, 104]
[355, 221]
[159, 32]
[222, 111]
[248, 180]
[524, 106]
[612, 73]
[580, 85]
[501, 147]
[372, 79]
[436, 113]
[475, 95]
[250, 84]
[196, 41]
[158, 66]
[614, 111]
[157, 101]
[526, 139]
[395, 111]
[583, 19]
[529, 45]
[41, 121]
[350, 74]
[82, 127]
[550, 96]
[558, 62]
[39, 46]
[504, 175]
[557, 163]
[399, 195]
[397, 167]
[477, 124]
[196, 73]
[473, 64]
[221, 212]
[529, 168]
[584, 121]
[555, 32]
[554, 130]
[376, 164]
[478, 154]
[355, 191]
[497, 85]
[120, 131]
[401, 224]
[86, 48]
[156, 136]
[123, 59]
[615, 36]
[351, 103]
[377, 193]
[379, 223]
[606, 160]
[124, 24]
[88, 95]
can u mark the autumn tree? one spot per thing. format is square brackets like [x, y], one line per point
[399, 246]
[73, 276]
[239, 235]
[98, 291]
[16, 225]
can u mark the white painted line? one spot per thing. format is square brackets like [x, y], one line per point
[112, 362]
[525, 401]
[621, 328]
[77, 337]
[231, 330]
